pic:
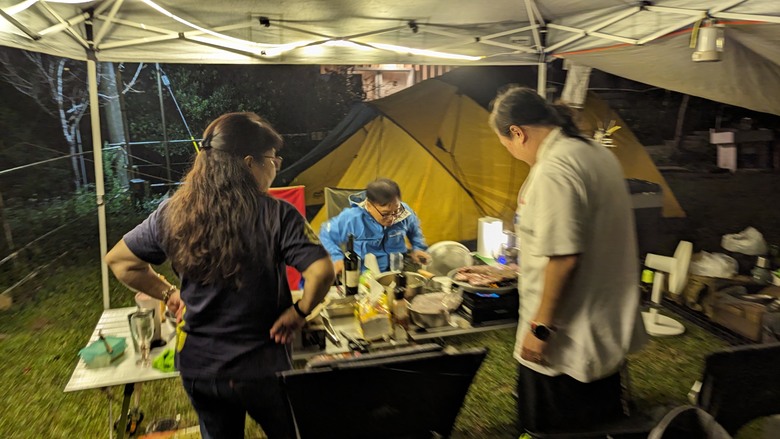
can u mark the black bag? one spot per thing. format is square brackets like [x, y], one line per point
[688, 422]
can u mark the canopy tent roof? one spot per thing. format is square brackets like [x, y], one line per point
[452, 32]
[633, 39]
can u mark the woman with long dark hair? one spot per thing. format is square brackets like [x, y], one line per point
[579, 299]
[230, 242]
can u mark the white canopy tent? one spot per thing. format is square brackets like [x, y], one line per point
[646, 41]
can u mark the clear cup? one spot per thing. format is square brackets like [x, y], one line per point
[142, 330]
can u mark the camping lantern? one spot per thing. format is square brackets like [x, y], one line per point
[490, 236]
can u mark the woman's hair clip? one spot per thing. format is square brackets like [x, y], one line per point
[206, 143]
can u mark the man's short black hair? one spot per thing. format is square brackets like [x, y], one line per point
[383, 191]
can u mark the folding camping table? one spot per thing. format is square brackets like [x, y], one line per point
[123, 370]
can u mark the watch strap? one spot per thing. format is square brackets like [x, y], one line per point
[298, 310]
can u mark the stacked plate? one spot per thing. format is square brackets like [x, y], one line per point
[446, 256]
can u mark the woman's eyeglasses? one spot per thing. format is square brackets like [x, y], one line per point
[394, 214]
[277, 160]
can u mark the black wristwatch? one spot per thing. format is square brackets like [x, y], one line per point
[541, 331]
[298, 310]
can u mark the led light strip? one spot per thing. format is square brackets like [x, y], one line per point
[276, 50]
[423, 52]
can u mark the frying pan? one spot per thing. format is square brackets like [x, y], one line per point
[465, 286]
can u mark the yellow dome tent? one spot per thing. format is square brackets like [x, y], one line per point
[435, 141]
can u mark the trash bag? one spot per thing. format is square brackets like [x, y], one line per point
[714, 265]
[749, 242]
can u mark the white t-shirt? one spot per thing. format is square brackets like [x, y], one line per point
[576, 201]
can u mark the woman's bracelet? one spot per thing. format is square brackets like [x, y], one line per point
[166, 295]
[168, 292]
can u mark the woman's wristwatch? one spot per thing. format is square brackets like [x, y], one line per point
[298, 310]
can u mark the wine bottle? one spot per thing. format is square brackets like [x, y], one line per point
[351, 267]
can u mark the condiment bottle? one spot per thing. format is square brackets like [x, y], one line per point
[400, 305]
[760, 272]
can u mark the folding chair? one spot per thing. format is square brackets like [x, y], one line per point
[741, 384]
[337, 199]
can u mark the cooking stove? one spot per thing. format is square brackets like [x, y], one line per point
[487, 307]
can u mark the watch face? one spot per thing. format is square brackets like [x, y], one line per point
[541, 332]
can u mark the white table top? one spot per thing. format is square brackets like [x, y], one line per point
[123, 370]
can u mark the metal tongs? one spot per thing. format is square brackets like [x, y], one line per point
[356, 344]
[329, 331]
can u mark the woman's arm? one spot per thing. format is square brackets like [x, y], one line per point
[318, 276]
[139, 275]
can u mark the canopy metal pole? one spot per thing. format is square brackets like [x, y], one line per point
[164, 128]
[97, 150]
[541, 80]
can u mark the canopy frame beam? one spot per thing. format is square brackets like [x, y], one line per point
[107, 22]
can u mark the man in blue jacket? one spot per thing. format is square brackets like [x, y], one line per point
[380, 222]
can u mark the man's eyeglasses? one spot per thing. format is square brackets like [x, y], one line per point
[394, 214]
[277, 160]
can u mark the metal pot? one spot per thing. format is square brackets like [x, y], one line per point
[415, 283]
[429, 320]
[433, 310]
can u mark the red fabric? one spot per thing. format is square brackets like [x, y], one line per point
[295, 196]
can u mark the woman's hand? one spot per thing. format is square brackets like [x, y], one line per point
[283, 330]
[175, 305]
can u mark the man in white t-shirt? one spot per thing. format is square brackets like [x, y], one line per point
[579, 299]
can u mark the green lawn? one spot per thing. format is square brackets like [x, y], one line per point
[39, 341]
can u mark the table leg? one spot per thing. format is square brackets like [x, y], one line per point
[110, 412]
[122, 425]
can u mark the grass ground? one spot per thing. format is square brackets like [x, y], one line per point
[39, 340]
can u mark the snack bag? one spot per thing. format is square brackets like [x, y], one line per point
[373, 313]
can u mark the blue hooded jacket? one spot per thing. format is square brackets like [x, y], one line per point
[370, 236]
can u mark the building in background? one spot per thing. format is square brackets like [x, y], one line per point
[381, 80]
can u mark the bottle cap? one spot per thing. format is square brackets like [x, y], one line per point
[647, 276]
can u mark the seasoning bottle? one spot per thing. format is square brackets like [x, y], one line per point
[400, 305]
[646, 284]
[760, 272]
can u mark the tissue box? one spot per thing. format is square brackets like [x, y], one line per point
[96, 355]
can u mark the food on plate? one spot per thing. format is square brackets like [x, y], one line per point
[487, 276]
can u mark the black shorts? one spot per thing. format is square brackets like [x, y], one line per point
[562, 404]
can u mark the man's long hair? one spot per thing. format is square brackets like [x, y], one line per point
[215, 225]
[515, 105]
